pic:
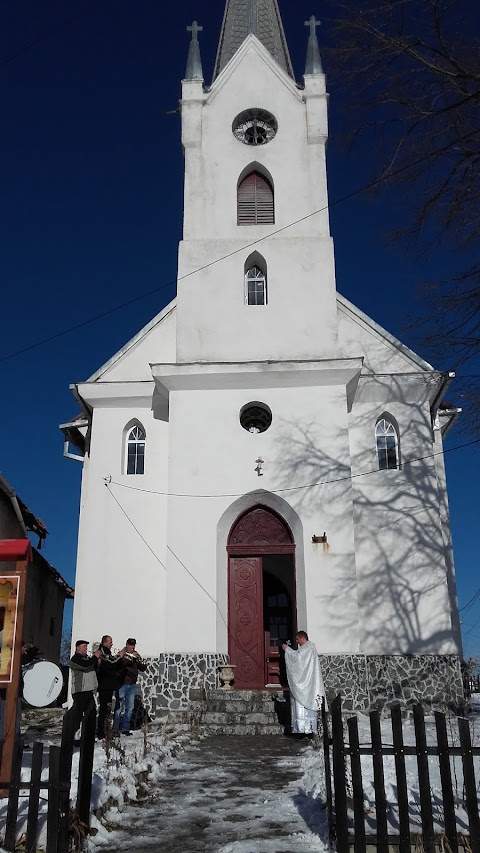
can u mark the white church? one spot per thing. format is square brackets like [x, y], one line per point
[263, 457]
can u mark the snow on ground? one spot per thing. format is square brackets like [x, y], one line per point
[155, 792]
[227, 795]
[121, 775]
[132, 778]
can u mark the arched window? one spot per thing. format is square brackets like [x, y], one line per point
[255, 200]
[135, 450]
[255, 286]
[386, 438]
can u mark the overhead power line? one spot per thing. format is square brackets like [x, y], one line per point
[291, 488]
[469, 634]
[244, 248]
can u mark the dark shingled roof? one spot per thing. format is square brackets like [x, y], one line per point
[260, 17]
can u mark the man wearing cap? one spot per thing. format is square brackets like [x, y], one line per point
[132, 665]
[84, 681]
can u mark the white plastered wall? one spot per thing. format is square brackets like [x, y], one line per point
[211, 454]
[120, 588]
[214, 324]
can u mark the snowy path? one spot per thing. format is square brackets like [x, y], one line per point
[227, 795]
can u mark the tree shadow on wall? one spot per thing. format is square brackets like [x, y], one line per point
[400, 573]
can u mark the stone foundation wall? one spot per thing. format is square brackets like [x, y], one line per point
[170, 677]
[369, 682]
[366, 682]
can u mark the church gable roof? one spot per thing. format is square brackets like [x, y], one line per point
[156, 341]
[383, 352]
[257, 17]
[252, 44]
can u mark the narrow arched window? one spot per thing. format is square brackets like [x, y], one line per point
[255, 201]
[386, 438]
[135, 450]
[255, 286]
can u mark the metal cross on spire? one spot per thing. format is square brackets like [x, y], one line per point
[194, 62]
[195, 29]
[313, 24]
[314, 63]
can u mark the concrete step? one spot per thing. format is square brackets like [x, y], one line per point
[256, 718]
[240, 730]
[229, 712]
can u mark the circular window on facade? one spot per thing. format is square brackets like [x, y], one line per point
[255, 417]
[254, 126]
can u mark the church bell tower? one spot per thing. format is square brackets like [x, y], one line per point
[256, 266]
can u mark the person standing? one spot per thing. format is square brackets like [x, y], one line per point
[84, 681]
[305, 682]
[109, 680]
[132, 665]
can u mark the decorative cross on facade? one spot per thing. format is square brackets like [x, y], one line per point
[313, 24]
[195, 29]
[258, 469]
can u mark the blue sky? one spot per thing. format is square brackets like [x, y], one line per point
[90, 216]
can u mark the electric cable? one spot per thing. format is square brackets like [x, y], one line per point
[191, 574]
[244, 248]
[294, 488]
[177, 558]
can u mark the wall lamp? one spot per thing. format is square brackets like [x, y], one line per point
[319, 538]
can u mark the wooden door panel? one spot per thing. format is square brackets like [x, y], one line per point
[246, 636]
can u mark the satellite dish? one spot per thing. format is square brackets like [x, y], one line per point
[42, 683]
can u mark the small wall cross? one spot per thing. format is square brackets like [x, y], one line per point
[195, 29]
[258, 469]
[313, 24]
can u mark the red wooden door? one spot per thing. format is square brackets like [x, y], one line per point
[246, 622]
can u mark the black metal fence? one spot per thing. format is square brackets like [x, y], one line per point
[61, 822]
[345, 798]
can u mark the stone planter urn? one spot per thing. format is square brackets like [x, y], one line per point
[226, 675]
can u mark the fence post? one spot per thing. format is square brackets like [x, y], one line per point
[85, 767]
[379, 783]
[357, 786]
[34, 799]
[402, 792]
[424, 780]
[339, 777]
[15, 761]
[450, 822]
[53, 798]
[469, 781]
[66, 755]
[328, 769]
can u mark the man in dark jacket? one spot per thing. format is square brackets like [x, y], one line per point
[84, 681]
[109, 679]
[132, 665]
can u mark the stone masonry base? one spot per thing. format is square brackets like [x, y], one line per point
[366, 682]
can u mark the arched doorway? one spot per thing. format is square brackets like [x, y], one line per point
[261, 597]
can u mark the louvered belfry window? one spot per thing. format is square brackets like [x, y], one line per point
[255, 201]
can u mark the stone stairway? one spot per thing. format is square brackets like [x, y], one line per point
[244, 712]
[234, 712]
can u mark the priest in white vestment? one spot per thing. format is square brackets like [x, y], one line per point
[305, 682]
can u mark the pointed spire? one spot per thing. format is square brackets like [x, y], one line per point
[313, 64]
[260, 17]
[194, 63]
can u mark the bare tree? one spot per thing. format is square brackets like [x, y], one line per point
[410, 71]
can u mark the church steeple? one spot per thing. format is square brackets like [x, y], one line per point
[313, 64]
[194, 63]
[260, 17]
